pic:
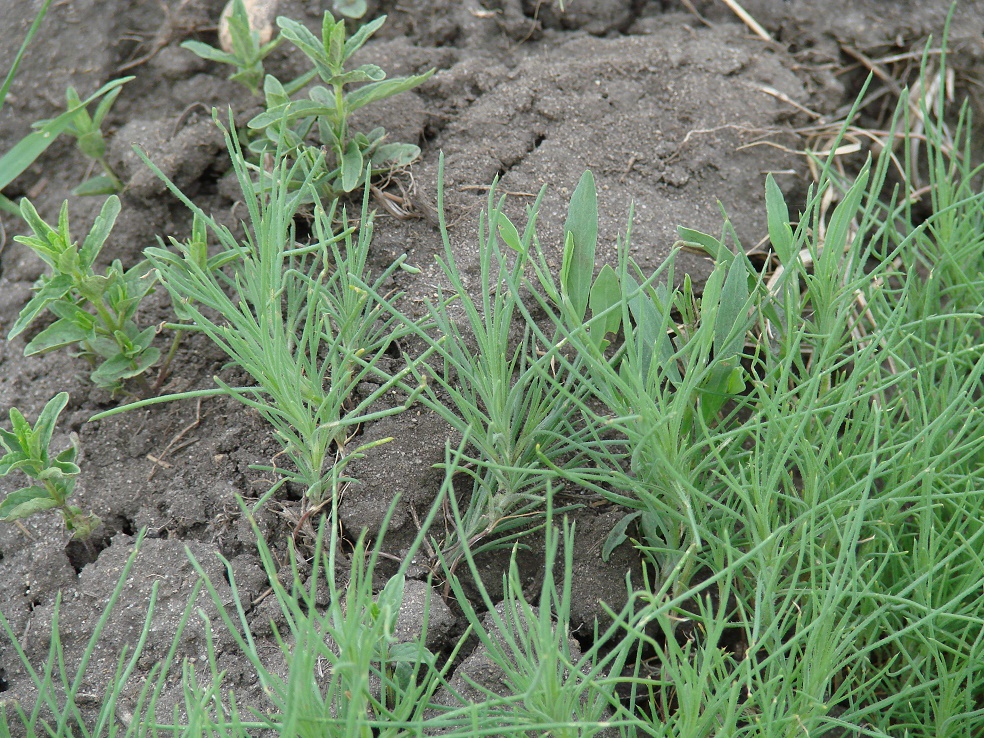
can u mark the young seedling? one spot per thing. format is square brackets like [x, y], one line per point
[327, 111]
[296, 322]
[26, 151]
[88, 134]
[27, 450]
[94, 311]
[247, 52]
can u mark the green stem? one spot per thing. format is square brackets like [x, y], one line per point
[117, 184]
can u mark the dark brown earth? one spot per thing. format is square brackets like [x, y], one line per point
[669, 111]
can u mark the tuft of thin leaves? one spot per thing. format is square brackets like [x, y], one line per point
[295, 321]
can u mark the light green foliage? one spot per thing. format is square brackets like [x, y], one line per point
[54, 477]
[247, 53]
[292, 316]
[325, 113]
[88, 134]
[94, 311]
[25, 152]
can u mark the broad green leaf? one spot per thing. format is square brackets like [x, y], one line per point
[351, 165]
[48, 417]
[299, 35]
[63, 332]
[274, 92]
[582, 223]
[780, 232]
[730, 321]
[352, 8]
[394, 155]
[509, 234]
[14, 459]
[606, 293]
[25, 502]
[722, 384]
[99, 232]
[291, 112]
[836, 237]
[59, 470]
[374, 91]
[618, 536]
[333, 37]
[92, 143]
[365, 73]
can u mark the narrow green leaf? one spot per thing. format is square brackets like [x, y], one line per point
[351, 165]
[606, 293]
[15, 65]
[618, 536]
[582, 223]
[99, 232]
[732, 312]
[48, 417]
[374, 91]
[780, 232]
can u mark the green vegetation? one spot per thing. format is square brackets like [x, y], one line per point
[27, 450]
[87, 130]
[247, 53]
[25, 152]
[326, 112]
[94, 311]
[798, 451]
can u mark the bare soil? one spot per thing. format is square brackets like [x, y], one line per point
[679, 114]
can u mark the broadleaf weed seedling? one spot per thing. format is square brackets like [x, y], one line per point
[247, 52]
[94, 311]
[89, 138]
[54, 476]
[326, 112]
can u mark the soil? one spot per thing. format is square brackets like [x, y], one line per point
[681, 113]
